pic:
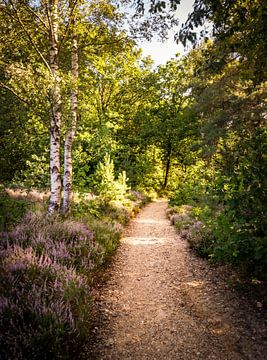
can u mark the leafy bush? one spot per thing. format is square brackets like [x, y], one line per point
[237, 244]
[201, 239]
[86, 209]
[109, 188]
[219, 236]
[11, 210]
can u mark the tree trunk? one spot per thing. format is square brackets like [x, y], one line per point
[168, 164]
[67, 180]
[167, 169]
[55, 177]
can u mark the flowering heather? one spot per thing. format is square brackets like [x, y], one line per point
[46, 266]
[68, 242]
[45, 295]
[117, 228]
[39, 298]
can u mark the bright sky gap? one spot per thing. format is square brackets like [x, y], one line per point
[161, 52]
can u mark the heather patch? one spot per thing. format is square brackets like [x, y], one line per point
[108, 236]
[67, 242]
[181, 217]
[44, 305]
[47, 266]
[188, 226]
[138, 197]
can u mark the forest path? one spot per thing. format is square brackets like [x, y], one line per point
[162, 302]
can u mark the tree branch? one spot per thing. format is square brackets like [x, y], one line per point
[4, 86]
[68, 24]
[48, 18]
[37, 16]
[30, 38]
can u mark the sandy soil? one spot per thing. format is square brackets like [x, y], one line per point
[163, 302]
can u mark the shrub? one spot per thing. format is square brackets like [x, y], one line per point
[46, 270]
[11, 210]
[107, 235]
[221, 238]
[138, 197]
[180, 216]
[68, 242]
[110, 189]
[44, 306]
[237, 243]
[114, 212]
[46, 265]
[201, 239]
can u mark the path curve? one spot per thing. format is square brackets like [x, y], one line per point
[162, 302]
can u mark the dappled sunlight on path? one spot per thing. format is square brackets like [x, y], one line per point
[144, 241]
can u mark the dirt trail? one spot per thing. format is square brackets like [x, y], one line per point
[162, 302]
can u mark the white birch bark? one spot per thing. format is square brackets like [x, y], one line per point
[55, 177]
[67, 179]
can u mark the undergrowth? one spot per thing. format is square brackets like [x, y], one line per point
[11, 210]
[214, 233]
[47, 268]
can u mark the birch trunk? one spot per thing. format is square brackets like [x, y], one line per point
[55, 178]
[67, 180]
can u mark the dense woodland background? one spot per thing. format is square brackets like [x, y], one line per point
[193, 130]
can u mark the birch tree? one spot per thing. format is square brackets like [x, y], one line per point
[55, 197]
[39, 24]
[49, 29]
[42, 32]
[67, 180]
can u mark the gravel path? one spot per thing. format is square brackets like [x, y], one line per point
[163, 302]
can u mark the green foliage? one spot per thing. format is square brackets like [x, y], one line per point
[86, 207]
[238, 27]
[202, 240]
[107, 235]
[106, 186]
[224, 237]
[192, 184]
[229, 92]
[36, 173]
[121, 186]
[11, 210]
[110, 189]
[182, 222]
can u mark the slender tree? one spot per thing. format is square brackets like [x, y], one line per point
[55, 197]
[67, 179]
